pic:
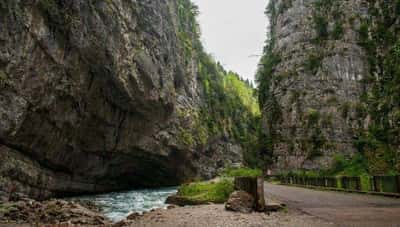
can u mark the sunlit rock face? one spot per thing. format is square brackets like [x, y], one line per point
[91, 98]
[315, 88]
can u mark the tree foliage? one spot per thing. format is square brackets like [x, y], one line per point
[231, 108]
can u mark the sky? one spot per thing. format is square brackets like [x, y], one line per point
[234, 32]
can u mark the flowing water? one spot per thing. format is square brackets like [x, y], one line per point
[118, 205]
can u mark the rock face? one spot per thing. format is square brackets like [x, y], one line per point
[92, 98]
[311, 78]
[240, 201]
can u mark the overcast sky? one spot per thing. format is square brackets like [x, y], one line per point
[234, 31]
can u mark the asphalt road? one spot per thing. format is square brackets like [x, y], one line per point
[339, 208]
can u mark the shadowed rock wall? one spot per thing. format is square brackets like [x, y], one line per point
[91, 98]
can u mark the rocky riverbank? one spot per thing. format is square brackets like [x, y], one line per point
[67, 213]
[52, 212]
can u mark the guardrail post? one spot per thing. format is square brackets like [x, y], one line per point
[398, 184]
[358, 183]
[376, 186]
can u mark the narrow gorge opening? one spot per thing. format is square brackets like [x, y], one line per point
[98, 97]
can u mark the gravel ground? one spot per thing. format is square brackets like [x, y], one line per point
[217, 216]
[306, 208]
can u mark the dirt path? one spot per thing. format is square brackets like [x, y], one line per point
[343, 209]
[217, 216]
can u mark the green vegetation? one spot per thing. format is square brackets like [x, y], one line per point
[215, 192]
[321, 27]
[189, 29]
[241, 172]
[324, 12]
[3, 79]
[379, 144]
[337, 32]
[313, 117]
[355, 166]
[242, 90]
[323, 4]
[195, 132]
[314, 62]
[231, 108]
[267, 99]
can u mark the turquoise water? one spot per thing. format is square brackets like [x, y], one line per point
[118, 205]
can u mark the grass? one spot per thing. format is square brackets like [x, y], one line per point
[241, 172]
[215, 192]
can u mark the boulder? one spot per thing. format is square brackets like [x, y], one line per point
[240, 201]
[255, 187]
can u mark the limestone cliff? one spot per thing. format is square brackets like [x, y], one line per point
[312, 79]
[102, 95]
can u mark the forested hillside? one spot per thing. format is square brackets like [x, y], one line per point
[230, 108]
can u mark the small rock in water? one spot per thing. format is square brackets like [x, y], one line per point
[240, 201]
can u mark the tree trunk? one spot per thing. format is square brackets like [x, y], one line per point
[255, 187]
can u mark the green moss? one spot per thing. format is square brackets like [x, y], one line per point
[196, 133]
[186, 137]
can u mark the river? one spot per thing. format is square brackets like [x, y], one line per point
[118, 205]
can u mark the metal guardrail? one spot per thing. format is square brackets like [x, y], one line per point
[374, 184]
